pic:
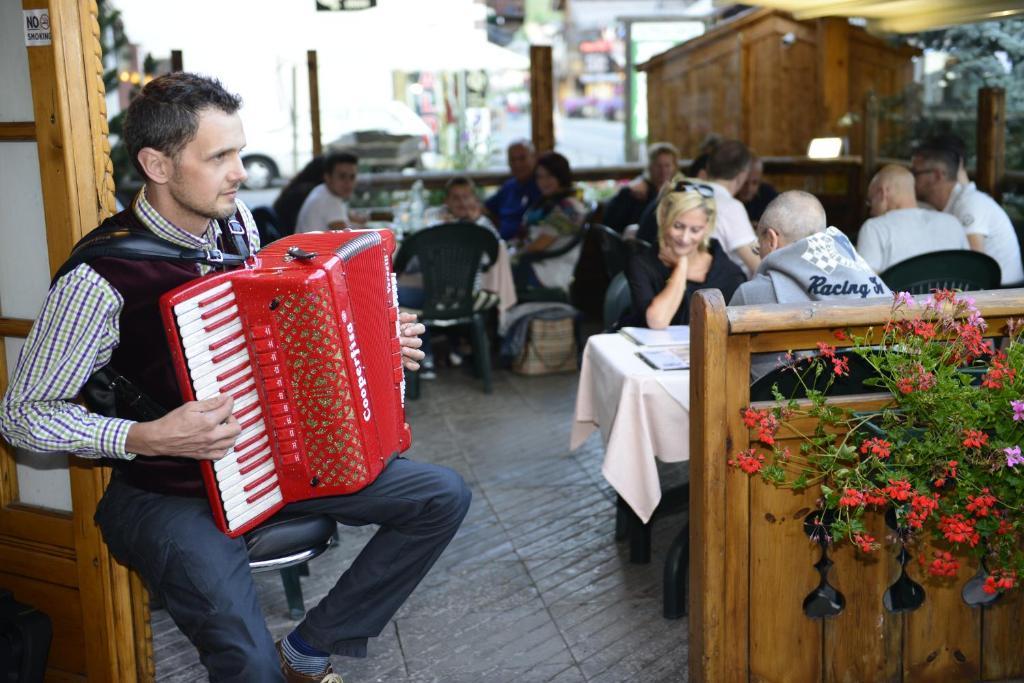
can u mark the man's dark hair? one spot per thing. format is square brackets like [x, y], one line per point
[728, 159]
[558, 166]
[945, 158]
[165, 115]
[950, 141]
[699, 164]
[335, 158]
[458, 181]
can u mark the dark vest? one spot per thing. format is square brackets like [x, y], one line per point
[143, 356]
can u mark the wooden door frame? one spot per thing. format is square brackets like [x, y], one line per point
[49, 550]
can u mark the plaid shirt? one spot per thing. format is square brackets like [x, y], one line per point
[75, 334]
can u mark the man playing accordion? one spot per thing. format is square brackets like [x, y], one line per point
[185, 136]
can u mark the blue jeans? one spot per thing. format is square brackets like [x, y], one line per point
[204, 580]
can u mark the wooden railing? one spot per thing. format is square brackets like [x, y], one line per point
[837, 182]
[490, 178]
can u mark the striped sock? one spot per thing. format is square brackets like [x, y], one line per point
[302, 656]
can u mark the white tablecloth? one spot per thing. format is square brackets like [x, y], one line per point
[498, 279]
[642, 413]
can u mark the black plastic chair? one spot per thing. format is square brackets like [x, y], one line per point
[953, 269]
[790, 387]
[614, 249]
[285, 543]
[617, 301]
[526, 293]
[449, 258]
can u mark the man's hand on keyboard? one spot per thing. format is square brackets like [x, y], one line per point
[204, 430]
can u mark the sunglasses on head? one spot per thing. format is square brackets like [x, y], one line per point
[689, 186]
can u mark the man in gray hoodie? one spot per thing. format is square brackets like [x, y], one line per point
[803, 260]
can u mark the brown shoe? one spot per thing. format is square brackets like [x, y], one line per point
[293, 676]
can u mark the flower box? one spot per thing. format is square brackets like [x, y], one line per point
[755, 571]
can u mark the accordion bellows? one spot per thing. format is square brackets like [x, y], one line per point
[307, 342]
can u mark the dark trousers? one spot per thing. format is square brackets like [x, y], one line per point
[203, 576]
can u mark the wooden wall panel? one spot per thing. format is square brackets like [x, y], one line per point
[62, 605]
[942, 638]
[864, 643]
[784, 644]
[772, 81]
[1002, 656]
[29, 558]
[879, 68]
[742, 584]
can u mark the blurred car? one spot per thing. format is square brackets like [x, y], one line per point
[386, 136]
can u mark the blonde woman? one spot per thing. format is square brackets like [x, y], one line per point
[662, 279]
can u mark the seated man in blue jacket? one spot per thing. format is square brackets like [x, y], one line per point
[508, 204]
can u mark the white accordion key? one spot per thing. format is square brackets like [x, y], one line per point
[202, 299]
[199, 329]
[209, 343]
[243, 515]
[206, 312]
[218, 372]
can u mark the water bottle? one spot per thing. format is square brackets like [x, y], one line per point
[417, 205]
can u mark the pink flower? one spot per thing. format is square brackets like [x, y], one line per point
[905, 298]
[1013, 456]
[1018, 410]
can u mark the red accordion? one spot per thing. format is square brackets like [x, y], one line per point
[307, 343]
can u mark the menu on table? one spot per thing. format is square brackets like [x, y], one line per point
[673, 335]
[666, 358]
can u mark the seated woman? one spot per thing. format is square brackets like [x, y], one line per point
[662, 279]
[551, 223]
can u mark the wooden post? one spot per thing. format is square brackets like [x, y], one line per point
[869, 158]
[176, 63]
[314, 102]
[991, 140]
[833, 74]
[541, 99]
[713, 648]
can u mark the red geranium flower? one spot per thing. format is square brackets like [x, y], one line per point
[944, 564]
[958, 529]
[876, 446]
[981, 506]
[851, 498]
[750, 461]
[865, 543]
[975, 438]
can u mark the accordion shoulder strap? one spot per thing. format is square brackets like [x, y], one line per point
[142, 246]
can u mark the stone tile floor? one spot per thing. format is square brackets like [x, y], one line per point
[533, 588]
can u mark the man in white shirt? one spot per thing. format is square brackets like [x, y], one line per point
[727, 171]
[988, 228]
[327, 206]
[899, 229]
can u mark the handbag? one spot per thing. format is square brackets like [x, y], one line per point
[550, 348]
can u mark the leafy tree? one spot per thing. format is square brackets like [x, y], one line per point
[114, 42]
[985, 54]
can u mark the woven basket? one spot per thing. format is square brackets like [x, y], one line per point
[550, 348]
